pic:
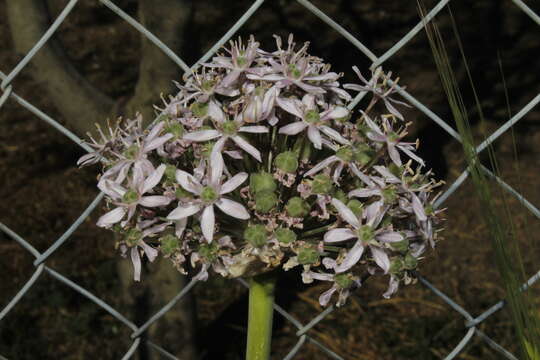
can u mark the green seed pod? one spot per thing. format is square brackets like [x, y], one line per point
[344, 281]
[396, 266]
[363, 158]
[285, 236]
[308, 255]
[256, 235]
[356, 206]
[261, 181]
[321, 184]
[182, 193]
[401, 246]
[341, 196]
[198, 109]
[169, 244]
[345, 153]
[265, 201]
[389, 195]
[170, 172]
[287, 161]
[297, 207]
[410, 262]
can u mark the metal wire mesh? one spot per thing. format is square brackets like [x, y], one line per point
[302, 333]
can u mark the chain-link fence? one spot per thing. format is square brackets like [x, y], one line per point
[472, 323]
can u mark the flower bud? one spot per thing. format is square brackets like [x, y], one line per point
[356, 206]
[287, 161]
[285, 236]
[256, 235]
[321, 184]
[261, 181]
[265, 201]
[308, 255]
[169, 244]
[297, 207]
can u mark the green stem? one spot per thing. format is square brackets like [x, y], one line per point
[261, 301]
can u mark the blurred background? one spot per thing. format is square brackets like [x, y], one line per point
[97, 66]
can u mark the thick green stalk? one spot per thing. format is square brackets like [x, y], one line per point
[261, 301]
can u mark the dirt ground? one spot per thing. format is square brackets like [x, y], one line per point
[42, 192]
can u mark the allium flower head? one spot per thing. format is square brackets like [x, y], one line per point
[305, 182]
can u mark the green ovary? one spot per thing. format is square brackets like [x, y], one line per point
[208, 194]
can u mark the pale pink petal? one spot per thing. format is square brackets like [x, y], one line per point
[202, 135]
[154, 144]
[268, 101]
[153, 179]
[394, 154]
[233, 183]
[309, 88]
[155, 200]
[293, 128]
[333, 134]
[340, 234]
[112, 217]
[363, 193]
[392, 287]
[111, 188]
[136, 260]
[336, 113]
[315, 136]
[352, 257]
[233, 208]
[309, 102]
[323, 164]
[216, 167]
[149, 251]
[325, 297]
[292, 106]
[388, 176]
[180, 226]
[346, 213]
[230, 78]
[247, 147]
[329, 76]
[207, 222]
[381, 258]
[183, 211]
[188, 182]
[412, 155]
[253, 129]
[389, 236]
[215, 112]
[155, 131]
[418, 208]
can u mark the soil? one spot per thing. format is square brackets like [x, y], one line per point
[43, 191]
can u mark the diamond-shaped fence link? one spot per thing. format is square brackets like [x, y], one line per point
[302, 333]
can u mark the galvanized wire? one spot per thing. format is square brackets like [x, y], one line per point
[471, 323]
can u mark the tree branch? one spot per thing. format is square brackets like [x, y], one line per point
[80, 103]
